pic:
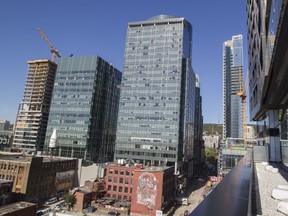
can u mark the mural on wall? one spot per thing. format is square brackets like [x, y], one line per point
[64, 180]
[147, 189]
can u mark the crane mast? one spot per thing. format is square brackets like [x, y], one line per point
[242, 94]
[54, 51]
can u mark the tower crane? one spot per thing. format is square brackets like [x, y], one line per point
[242, 94]
[54, 51]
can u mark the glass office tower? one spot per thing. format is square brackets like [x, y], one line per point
[156, 111]
[84, 108]
[232, 73]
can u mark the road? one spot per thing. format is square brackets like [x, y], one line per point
[195, 197]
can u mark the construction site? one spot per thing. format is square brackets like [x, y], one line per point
[32, 117]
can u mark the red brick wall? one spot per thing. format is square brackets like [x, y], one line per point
[83, 199]
[147, 192]
[119, 181]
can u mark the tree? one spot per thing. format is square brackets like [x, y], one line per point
[70, 200]
[211, 155]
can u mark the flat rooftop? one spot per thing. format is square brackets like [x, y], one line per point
[26, 158]
[6, 209]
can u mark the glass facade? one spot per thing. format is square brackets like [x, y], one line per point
[275, 11]
[84, 108]
[158, 91]
[232, 73]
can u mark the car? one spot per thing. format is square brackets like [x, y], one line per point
[51, 201]
[114, 213]
[186, 213]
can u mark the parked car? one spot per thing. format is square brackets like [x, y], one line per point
[114, 213]
[51, 201]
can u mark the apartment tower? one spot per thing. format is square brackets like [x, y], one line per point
[232, 74]
[156, 112]
[31, 122]
[84, 108]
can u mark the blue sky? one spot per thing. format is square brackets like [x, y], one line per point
[98, 27]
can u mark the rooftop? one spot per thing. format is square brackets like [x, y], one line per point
[4, 210]
[20, 157]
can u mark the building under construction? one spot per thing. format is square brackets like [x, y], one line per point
[31, 122]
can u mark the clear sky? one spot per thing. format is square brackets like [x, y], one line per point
[98, 27]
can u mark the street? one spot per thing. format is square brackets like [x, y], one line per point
[195, 197]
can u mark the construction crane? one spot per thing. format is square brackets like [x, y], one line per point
[54, 51]
[242, 94]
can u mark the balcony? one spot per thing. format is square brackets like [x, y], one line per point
[247, 188]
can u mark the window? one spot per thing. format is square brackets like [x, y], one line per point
[126, 181]
[110, 171]
[120, 189]
[115, 179]
[127, 172]
[121, 180]
[110, 179]
[109, 187]
[114, 188]
[116, 171]
[121, 172]
[126, 190]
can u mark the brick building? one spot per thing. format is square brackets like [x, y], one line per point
[90, 191]
[19, 208]
[153, 189]
[119, 179]
[144, 187]
[37, 178]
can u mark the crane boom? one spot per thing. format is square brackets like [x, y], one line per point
[54, 51]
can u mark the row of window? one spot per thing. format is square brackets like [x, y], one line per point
[119, 197]
[117, 171]
[121, 180]
[145, 154]
[119, 189]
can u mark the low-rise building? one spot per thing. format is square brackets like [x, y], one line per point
[119, 179]
[153, 190]
[37, 178]
[5, 191]
[18, 208]
[89, 192]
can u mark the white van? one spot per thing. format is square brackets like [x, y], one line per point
[51, 201]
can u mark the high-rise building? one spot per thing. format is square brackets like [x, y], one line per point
[84, 108]
[156, 111]
[268, 50]
[232, 74]
[198, 148]
[31, 122]
[4, 125]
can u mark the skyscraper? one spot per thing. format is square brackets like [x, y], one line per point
[158, 92]
[232, 73]
[33, 111]
[198, 148]
[84, 108]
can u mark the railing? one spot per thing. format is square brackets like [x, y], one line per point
[284, 150]
[232, 196]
